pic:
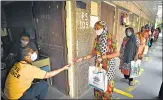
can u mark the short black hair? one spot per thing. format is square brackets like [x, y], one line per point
[23, 53]
[131, 29]
[25, 34]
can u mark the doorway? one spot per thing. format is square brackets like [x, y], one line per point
[45, 21]
[107, 15]
[51, 37]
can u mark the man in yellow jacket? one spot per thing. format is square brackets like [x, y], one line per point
[19, 81]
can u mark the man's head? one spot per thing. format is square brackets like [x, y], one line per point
[28, 55]
[24, 38]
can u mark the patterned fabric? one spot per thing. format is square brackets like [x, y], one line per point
[107, 95]
[125, 68]
[103, 39]
[105, 45]
[142, 43]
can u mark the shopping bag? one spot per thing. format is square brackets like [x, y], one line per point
[135, 68]
[98, 79]
[145, 50]
[125, 69]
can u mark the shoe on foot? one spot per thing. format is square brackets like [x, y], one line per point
[131, 83]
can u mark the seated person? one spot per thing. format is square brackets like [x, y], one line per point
[19, 81]
[23, 43]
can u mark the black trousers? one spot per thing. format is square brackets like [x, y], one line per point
[127, 77]
[161, 92]
[151, 41]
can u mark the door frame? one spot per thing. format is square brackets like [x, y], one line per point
[65, 50]
[113, 5]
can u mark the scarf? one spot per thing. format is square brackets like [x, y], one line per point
[130, 49]
[103, 39]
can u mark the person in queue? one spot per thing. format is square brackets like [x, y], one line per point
[142, 42]
[147, 35]
[104, 49]
[19, 81]
[129, 52]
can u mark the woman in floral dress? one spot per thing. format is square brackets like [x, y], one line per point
[104, 51]
[142, 42]
[128, 52]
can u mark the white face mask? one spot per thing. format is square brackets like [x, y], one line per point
[99, 32]
[24, 42]
[34, 56]
[129, 34]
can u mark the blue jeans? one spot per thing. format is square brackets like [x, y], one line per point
[38, 90]
[45, 68]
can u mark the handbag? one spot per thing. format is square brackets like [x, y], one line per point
[135, 68]
[98, 78]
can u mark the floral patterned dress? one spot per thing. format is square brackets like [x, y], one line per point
[122, 49]
[142, 43]
[111, 47]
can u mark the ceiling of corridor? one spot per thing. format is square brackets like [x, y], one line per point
[151, 7]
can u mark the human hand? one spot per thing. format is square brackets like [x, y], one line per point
[67, 67]
[136, 58]
[99, 59]
[77, 59]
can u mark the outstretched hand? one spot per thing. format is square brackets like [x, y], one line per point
[67, 66]
[77, 59]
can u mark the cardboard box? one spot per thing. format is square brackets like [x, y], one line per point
[42, 62]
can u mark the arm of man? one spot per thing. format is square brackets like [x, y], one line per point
[55, 72]
[41, 74]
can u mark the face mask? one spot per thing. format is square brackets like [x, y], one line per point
[24, 42]
[129, 34]
[34, 56]
[99, 32]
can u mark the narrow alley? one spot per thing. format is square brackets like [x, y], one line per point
[147, 85]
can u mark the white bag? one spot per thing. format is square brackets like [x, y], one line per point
[98, 79]
[135, 68]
